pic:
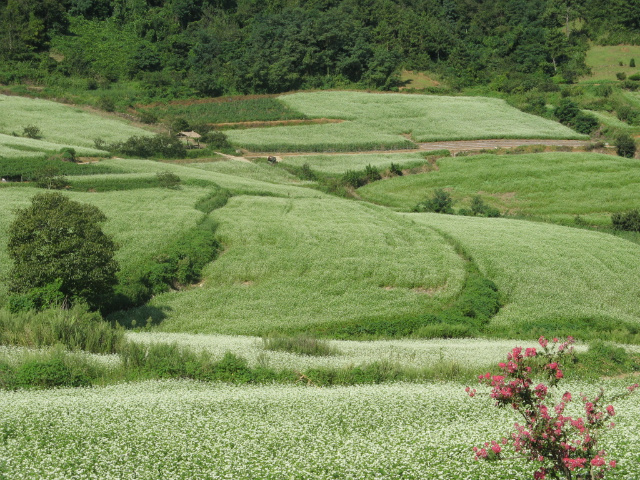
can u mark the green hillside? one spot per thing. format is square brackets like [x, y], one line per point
[555, 186]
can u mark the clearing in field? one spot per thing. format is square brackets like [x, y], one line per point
[555, 186]
[605, 61]
[388, 121]
[290, 262]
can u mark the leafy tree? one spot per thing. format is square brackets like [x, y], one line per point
[625, 146]
[440, 202]
[59, 242]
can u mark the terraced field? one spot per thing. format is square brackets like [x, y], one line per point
[378, 122]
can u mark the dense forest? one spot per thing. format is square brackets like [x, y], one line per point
[221, 47]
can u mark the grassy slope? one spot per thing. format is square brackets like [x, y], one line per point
[339, 164]
[60, 124]
[604, 61]
[549, 274]
[375, 119]
[294, 262]
[554, 185]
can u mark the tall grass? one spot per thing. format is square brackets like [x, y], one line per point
[339, 164]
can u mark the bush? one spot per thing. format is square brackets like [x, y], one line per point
[68, 154]
[566, 111]
[372, 174]
[625, 146]
[632, 63]
[49, 177]
[354, 179]
[31, 131]
[168, 179]
[627, 114]
[635, 77]
[106, 103]
[215, 139]
[621, 76]
[395, 169]
[147, 147]
[584, 123]
[179, 125]
[148, 118]
[628, 222]
[440, 202]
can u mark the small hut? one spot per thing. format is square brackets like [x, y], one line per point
[192, 139]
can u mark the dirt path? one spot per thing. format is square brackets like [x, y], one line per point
[233, 157]
[467, 145]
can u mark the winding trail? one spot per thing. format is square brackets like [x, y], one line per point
[466, 145]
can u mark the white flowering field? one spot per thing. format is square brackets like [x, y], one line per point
[548, 272]
[555, 185]
[377, 121]
[296, 262]
[59, 124]
[188, 430]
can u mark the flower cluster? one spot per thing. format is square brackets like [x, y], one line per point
[559, 445]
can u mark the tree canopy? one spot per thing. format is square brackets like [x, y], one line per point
[57, 244]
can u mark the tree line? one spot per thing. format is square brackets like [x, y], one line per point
[216, 47]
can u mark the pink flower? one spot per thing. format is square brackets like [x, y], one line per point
[552, 365]
[540, 474]
[612, 464]
[543, 342]
[496, 448]
[610, 410]
[559, 374]
[598, 461]
[530, 352]
[566, 398]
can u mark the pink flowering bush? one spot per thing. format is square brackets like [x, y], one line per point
[559, 445]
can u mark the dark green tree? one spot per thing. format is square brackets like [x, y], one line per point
[56, 241]
[625, 146]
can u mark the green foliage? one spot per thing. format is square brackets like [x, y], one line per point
[632, 63]
[31, 131]
[481, 209]
[605, 358]
[168, 179]
[59, 239]
[629, 221]
[179, 125]
[440, 202]
[215, 139]
[49, 177]
[75, 329]
[106, 103]
[165, 146]
[621, 76]
[216, 199]
[395, 169]
[300, 345]
[48, 374]
[626, 146]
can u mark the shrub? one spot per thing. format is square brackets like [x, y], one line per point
[621, 76]
[31, 131]
[49, 177]
[632, 63]
[215, 139]
[92, 84]
[440, 202]
[395, 169]
[168, 179]
[629, 222]
[354, 179]
[179, 125]
[566, 111]
[372, 173]
[635, 77]
[625, 146]
[145, 147]
[627, 114]
[148, 117]
[68, 154]
[106, 103]
[584, 123]
[558, 445]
